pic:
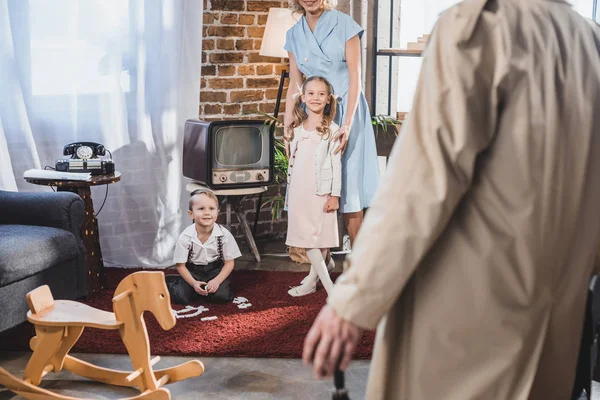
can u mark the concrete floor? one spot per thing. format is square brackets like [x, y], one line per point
[224, 378]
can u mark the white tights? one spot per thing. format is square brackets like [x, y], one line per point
[318, 269]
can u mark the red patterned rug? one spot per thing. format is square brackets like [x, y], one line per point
[274, 326]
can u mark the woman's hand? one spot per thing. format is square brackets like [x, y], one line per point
[332, 204]
[342, 136]
[286, 142]
[212, 286]
[287, 147]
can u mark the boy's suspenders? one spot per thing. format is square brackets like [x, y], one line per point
[219, 248]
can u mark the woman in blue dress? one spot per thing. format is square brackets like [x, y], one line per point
[326, 42]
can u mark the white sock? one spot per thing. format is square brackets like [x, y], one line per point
[312, 277]
[318, 264]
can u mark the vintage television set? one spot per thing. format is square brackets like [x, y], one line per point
[228, 154]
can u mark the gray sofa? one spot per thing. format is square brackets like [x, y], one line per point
[40, 244]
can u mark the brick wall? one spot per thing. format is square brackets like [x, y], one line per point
[237, 82]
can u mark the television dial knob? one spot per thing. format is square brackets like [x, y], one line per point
[260, 177]
[223, 178]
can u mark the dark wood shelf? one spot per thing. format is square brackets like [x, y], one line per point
[400, 52]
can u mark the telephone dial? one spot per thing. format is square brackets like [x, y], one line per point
[84, 158]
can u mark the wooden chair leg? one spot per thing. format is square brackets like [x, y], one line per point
[99, 374]
[180, 372]
[72, 335]
[28, 390]
[137, 344]
[47, 343]
[32, 392]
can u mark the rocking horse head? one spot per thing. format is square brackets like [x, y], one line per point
[145, 291]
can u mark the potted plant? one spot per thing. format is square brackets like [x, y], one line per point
[386, 130]
[280, 167]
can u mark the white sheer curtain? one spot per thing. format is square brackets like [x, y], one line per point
[417, 18]
[124, 73]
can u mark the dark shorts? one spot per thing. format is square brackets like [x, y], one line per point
[182, 293]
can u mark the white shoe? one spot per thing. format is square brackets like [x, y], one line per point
[298, 291]
[330, 267]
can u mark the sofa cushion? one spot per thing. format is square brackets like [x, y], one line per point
[25, 250]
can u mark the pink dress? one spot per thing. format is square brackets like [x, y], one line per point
[309, 226]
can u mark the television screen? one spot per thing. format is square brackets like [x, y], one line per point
[228, 154]
[238, 145]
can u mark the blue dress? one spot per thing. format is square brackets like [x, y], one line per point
[322, 53]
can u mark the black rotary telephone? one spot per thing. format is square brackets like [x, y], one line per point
[84, 150]
[84, 158]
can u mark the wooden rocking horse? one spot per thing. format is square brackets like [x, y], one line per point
[59, 324]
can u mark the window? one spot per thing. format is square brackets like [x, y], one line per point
[78, 47]
[584, 7]
[418, 17]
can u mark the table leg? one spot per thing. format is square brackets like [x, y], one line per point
[228, 215]
[246, 227]
[257, 213]
[96, 279]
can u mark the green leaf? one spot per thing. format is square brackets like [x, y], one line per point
[384, 123]
[276, 203]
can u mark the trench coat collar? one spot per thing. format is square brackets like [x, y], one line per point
[470, 10]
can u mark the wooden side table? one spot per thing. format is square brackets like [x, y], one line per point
[234, 197]
[96, 279]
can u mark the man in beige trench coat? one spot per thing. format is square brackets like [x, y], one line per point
[474, 260]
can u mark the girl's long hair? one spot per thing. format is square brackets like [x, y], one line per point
[328, 113]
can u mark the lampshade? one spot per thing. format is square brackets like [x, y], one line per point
[279, 21]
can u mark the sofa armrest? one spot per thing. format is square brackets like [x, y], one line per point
[64, 210]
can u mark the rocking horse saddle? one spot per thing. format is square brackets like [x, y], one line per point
[56, 313]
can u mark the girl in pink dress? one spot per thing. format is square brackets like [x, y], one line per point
[314, 180]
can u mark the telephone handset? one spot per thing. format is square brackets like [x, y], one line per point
[84, 150]
[84, 158]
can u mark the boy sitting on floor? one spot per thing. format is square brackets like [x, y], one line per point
[204, 254]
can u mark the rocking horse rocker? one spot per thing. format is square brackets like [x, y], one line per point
[59, 324]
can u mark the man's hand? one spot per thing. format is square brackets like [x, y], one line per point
[329, 339]
[342, 135]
